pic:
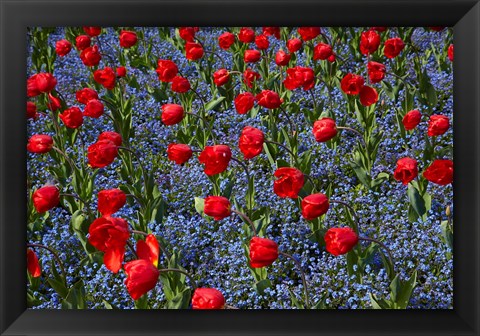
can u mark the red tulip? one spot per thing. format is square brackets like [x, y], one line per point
[376, 71]
[166, 70]
[172, 114]
[406, 171]
[110, 201]
[121, 71]
[226, 40]
[94, 109]
[39, 83]
[393, 47]
[207, 298]
[92, 31]
[102, 153]
[40, 143]
[85, 95]
[411, 119]
[32, 110]
[438, 125]
[271, 31]
[110, 235]
[105, 77]
[450, 52]
[149, 249]
[251, 56]
[440, 172]
[46, 198]
[180, 84]
[289, 183]
[352, 84]
[91, 56]
[294, 45]
[251, 142]
[179, 153]
[369, 42]
[314, 206]
[269, 99]
[221, 77]
[33, 266]
[54, 103]
[249, 76]
[244, 102]
[72, 117]
[217, 207]
[261, 41]
[368, 95]
[215, 158]
[308, 33]
[63, 47]
[142, 277]
[263, 252]
[299, 77]
[193, 51]
[339, 241]
[322, 51]
[324, 129]
[246, 35]
[128, 38]
[187, 33]
[112, 136]
[82, 42]
[282, 58]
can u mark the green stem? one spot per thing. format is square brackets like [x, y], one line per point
[241, 214]
[390, 258]
[192, 281]
[302, 273]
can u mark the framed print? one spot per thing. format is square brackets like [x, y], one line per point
[237, 168]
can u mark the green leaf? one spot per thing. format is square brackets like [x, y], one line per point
[261, 285]
[142, 302]
[417, 202]
[199, 205]
[214, 103]
[59, 287]
[447, 234]
[378, 303]
[401, 291]
[76, 297]
[181, 300]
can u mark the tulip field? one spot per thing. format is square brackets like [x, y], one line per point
[240, 168]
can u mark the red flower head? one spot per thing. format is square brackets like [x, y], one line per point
[92, 31]
[40, 143]
[269, 99]
[352, 84]
[251, 56]
[244, 102]
[294, 45]
[91, 56]
[393, 47]
[226, 40]
[82, 42]
[149, 249]
[406, 171]
[440, 172]
[94, 109]
[322, 51]
[332, 58]
[33, 266]
[63, 47]
[166, 70]
[179, 153]
[121, 71]
[251, 142]
[105, 77]
[324, 129]
[282, 58]
[274, 31]
[110, 235]
[180, 84]
[261, 41]
[102, 153]
[308, 33]
[379, 29]
[112, 136]
[314, 206]
[39, 83]
[263, 252]
[369, 42]
[46, 198]
[299, 77]
[217, 207]
[193, 51]
[289, 183]
[246, 35]
[128, 38]
[411, 119]
[221, 77]
[438, 125]
[72, 117]
[207, 298]
[85, 95]
[450, 52]
[368, 95]
[215, 158]
[172, 114]
[54, 103]
[376, 71]
[32, 110]
[249, 76]
[110, 201]
[187, 33]
[142, 276]
[340, 240]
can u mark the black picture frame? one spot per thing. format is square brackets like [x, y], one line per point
[16, 15]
